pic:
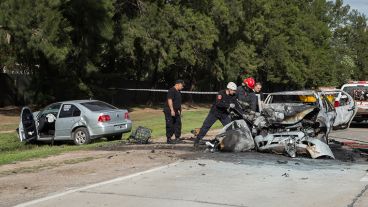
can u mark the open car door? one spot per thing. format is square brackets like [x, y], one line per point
[27, 127]
[345, 108]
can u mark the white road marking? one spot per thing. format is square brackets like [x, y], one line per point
[365, 178]
[95, 185]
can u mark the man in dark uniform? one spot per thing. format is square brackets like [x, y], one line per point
[245, 94]
[172, 111]
[218, 111]
[258, 92]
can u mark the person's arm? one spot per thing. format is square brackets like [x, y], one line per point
[170, 96]
[220, 103]
[170, 104]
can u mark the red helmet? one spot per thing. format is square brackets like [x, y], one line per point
[250, 82]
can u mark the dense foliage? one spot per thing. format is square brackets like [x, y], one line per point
[289, 44]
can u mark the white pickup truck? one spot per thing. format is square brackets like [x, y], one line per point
[359, 91]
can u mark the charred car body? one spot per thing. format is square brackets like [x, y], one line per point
[295, 122]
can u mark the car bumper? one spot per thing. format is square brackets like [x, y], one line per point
[111, 129]
[361, 115]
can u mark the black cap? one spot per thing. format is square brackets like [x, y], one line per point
[179, 81]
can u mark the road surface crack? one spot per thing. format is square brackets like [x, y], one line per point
[358, 196]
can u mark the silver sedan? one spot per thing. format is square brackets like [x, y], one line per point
[78, 120]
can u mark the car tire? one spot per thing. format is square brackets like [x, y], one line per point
[115, 137]
[81, 136]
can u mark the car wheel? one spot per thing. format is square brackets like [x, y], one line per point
[81, 136]
[114, 137]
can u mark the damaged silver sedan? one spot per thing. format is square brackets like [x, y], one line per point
[292, 123]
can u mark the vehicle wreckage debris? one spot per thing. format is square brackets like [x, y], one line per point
[282, 162]
[201, 164]
[283, 128]
[285, 175]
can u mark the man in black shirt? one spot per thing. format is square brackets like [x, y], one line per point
[258, 91]
[172, 111]
[219, 111]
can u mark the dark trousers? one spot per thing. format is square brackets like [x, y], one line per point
[212, 117]
[173, 124]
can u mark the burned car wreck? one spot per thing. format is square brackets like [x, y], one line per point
[292, 123]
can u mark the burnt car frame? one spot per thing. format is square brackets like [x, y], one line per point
[309, 117]
[293, 122]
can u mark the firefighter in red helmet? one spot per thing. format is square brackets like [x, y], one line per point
[245, 93]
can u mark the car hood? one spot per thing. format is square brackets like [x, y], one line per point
[293, 113]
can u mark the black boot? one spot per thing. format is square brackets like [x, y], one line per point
[198, 142]
[178, 140]
[169, 141]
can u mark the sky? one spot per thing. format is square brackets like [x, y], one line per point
[360, 5]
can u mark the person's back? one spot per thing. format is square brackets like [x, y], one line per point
[246, 94]
[222, 102]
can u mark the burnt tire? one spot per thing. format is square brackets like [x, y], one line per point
[114, 137]
[81, 136]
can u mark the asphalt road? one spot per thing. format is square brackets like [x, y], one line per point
[227, 179]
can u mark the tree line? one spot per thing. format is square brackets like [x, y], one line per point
[66, 46]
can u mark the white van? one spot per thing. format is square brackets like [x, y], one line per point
[359, 91]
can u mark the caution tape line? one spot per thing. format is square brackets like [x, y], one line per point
[162, 90]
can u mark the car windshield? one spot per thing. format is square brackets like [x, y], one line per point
[359, 92]
[98, 106]
[302, 99]
[53, 109]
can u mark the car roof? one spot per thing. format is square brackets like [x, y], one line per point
[305, 92]
[77, 101]
[354, 84]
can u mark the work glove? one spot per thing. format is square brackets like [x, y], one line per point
[246, 117]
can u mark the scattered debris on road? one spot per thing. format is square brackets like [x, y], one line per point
[285, 175]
